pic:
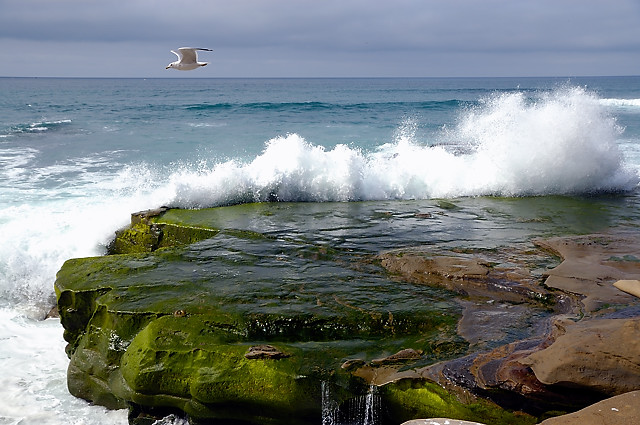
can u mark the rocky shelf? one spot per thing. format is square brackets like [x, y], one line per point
[198, 313]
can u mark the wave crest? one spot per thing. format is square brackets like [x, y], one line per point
[562, 142]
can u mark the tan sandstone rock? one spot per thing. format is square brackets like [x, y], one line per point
[591, 264]
[600, 354]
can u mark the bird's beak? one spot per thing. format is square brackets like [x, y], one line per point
[168, 67]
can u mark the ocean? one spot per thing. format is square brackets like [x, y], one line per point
[78, 156]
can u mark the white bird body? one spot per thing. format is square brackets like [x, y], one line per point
[187, 59]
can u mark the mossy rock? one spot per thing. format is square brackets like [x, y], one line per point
[165, 325]
[210, 376]
[409, 399]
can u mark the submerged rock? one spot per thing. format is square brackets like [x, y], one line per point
[401, 356]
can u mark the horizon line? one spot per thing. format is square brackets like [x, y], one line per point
[322, 78]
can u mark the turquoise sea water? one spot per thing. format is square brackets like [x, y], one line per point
[77, 156]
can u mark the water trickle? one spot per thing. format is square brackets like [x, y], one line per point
[372, 406]
[329, 406]
[361, 410]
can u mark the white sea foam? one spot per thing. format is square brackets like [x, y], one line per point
[563, 142]
[33, 377]
[50, 226]
[13, 162]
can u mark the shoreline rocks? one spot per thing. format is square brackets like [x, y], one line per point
[170, 324]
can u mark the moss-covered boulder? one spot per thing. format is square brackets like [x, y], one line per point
[207, 314]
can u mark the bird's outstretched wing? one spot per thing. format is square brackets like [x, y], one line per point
[188, 55]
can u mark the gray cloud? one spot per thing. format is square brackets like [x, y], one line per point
[337, 37]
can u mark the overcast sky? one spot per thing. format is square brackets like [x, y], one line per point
[321, 38]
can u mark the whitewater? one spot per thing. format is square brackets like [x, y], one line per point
[77, 160]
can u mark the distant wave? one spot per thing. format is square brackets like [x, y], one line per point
[622, 103]
[36, 127]
[563, 142]
[317, 106]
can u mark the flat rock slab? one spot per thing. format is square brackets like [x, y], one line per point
[600, 354]
[591, 265]
[239, 324]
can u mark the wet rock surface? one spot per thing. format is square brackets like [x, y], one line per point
[588, 349]
[178, 322]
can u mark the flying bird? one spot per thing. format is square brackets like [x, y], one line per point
[187, 59]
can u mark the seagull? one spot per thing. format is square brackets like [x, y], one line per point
[187, 59]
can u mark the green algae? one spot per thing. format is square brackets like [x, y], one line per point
[172, 356]
[150, 231]
[409, 399]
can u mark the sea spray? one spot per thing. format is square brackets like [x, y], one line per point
[562, 142]
[39, 234]
[33, 373]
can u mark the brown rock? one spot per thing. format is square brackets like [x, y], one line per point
[590, 266]
[145, 216]
[501, 368]
[352, 364]
[600, 354]
[264, 352]
[399, 357]
[53, 313]
[619, 410]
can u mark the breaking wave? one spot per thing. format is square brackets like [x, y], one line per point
[561, 142]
